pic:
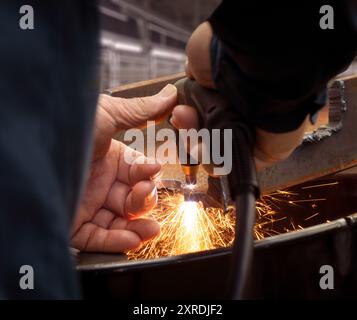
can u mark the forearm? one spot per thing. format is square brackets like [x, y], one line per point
[271, 148]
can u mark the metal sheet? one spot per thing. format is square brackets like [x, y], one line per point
[335, 151]
[320, 158]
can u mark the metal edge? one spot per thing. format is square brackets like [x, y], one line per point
[304, 165]
[273, 241]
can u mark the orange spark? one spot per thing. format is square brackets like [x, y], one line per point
[191, 227]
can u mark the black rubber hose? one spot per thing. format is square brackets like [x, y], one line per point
[244, 191]
[216, 111]
[243, 246]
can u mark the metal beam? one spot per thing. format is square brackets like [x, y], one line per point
[335, 151]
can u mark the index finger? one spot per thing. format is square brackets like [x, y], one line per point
[185, 117]
[134, 166]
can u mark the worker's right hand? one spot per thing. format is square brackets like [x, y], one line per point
[270, 148]
[198, 64]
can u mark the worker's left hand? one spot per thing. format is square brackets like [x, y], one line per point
[118, 193]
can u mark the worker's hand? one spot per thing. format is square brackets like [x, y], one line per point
[198, 65]
[270, 148]
[118, 193]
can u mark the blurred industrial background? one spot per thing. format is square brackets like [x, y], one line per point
[143, 39]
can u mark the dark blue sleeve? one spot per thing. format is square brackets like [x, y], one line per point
[46, 116]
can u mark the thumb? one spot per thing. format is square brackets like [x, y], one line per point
[135, 112]
[116, 114]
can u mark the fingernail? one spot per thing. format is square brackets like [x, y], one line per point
[156, 178]
[173, 121]
[152, 195]
[168, 91]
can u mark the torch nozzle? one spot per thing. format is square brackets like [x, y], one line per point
[190, 172]
[188, 192]
[190, 179]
